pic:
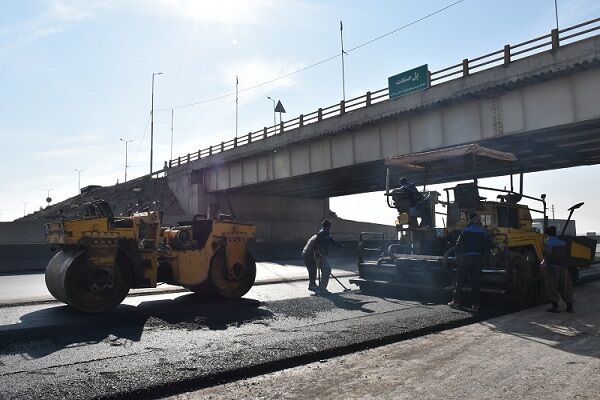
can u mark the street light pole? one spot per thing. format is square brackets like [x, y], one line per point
[126, 141]
[152, 122]
[274, 115]
[79, 171]
[556, 12]
[171, 136]
[343, 69]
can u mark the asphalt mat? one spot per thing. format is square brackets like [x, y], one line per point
[176, 345]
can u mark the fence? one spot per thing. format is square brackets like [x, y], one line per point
[505, 56]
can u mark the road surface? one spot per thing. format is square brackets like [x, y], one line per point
[158, 345]
[531, 354]
[161, 344]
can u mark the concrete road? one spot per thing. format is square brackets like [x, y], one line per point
[530, 354]
[19, 289]
[159, 345]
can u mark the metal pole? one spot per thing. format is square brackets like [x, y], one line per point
[126, 141]
[152, 126]
[274, 114]
[236, 106]
[556, 12]
[79, 171]
[171, 157]
[24, 205]
[343, 69]
[152, 122]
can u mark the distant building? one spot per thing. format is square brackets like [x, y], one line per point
[559, 223]
[590, 234]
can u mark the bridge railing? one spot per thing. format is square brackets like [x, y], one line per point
[504, 56]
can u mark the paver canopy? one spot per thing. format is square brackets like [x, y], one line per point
[465, 153]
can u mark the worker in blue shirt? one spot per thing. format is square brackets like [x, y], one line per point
[557, 280]
[471, 247]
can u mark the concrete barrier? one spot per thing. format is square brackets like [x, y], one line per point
[18, 258]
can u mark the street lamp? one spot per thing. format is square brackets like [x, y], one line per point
[274, 119]
[79, 171]
[126, 141]
[171, 135]
[152, 122]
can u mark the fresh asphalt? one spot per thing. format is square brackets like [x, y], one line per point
[161, 344]
[154, 346]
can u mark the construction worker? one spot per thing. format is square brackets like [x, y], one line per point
[415, 198]
[315, 255]
[471, 246]
[557, 280]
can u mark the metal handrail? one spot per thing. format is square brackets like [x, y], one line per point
[462, 69]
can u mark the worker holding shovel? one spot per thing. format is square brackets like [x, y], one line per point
[315, 256]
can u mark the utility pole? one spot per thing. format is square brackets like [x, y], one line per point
[24, 208]
[343, 69]
[152, 122]
[126, 141]
[552, 207]
[556, 12]
[236, 105]
[79, 171]
[171, 136]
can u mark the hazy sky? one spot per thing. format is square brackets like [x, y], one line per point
[76, 77]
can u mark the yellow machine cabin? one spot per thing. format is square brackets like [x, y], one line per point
[101, 256]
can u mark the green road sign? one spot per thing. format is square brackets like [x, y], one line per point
[409, 81]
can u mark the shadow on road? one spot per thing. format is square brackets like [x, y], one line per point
[577, 333]
[348, 303]
[67, 328]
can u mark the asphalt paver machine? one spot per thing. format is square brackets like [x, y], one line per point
[422, 260]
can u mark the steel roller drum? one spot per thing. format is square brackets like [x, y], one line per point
[57, 271]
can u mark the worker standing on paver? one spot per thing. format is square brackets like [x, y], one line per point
[471, 246]
[557, 279]
[315, 255]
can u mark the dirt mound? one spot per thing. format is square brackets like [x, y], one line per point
[141, 191]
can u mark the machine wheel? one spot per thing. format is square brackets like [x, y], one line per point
[85, 287]
[231, 282]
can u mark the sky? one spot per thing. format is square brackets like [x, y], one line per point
[75, 78]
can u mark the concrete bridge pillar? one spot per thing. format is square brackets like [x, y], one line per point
[278, 218]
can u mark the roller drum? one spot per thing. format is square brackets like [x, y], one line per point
[57, 270]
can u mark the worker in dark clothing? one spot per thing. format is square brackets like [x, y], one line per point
[557, 280]
[315, 255]
[308, 256]
[415, 198]
[471, 246]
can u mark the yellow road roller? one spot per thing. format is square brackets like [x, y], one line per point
[103, 256]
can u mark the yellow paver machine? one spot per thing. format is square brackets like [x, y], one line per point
[102, 256]
[422, 259]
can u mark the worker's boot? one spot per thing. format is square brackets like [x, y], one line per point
[312, 286]
[554, 308]
[570, 308]
[454, 304]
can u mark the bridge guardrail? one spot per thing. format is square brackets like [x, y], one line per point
[505, 56]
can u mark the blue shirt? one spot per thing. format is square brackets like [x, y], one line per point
[473, 241]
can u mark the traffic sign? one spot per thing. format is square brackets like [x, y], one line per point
[279, 107]
[409, 81]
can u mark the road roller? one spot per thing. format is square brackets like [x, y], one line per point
[101, 256]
